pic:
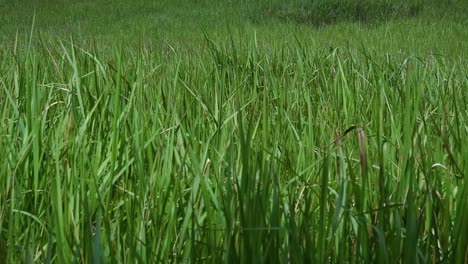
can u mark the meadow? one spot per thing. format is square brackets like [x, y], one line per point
[233, 131]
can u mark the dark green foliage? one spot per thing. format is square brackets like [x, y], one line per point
[323, 12]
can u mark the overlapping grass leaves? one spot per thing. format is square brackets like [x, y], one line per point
[237, 153]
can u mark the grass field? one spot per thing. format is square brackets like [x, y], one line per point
[233, 131]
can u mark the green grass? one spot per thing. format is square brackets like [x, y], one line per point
[234, 141]
[387, 26]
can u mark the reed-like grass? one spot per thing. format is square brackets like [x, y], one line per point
[236, 153]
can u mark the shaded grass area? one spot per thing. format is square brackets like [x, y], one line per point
[323, 13]
[234, 153]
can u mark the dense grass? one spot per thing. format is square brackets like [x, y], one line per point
[288, 132]
[289, 154]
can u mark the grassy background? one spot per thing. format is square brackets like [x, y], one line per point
[198, 131]
[408, 27]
